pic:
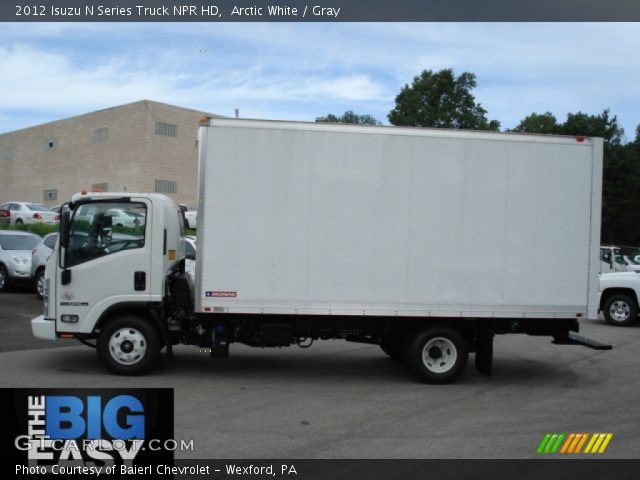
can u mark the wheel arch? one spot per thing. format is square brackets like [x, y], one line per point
[609, 292]
[142, 309]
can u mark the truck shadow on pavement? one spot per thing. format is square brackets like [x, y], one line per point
[356, 367]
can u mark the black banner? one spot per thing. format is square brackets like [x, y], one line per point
[319, 11]
[79, 430]
[579, 469]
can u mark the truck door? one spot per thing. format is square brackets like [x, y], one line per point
[104, 264]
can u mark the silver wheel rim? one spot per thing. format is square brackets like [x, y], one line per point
[127, 346]
[3, 278]
[40, 285]
[439, 355]
[619, 311]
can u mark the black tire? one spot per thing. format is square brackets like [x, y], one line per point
[143, 339]
[4, 278]
[393, 350]
[445, 359]
[36, 283]
[620, 310]
[19, 221]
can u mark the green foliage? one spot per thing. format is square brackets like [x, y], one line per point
[440, 99]
[37, 228]
[594, 126]
[350, 117]
[539, 123]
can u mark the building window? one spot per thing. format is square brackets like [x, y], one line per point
[51, 194]
[166, 129]
[9, 152]
[166, 186]
[100, 134]
[50, 145]
[101, 187]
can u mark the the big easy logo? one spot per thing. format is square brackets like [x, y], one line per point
[95, 426]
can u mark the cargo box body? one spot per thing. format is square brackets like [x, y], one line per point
[319, 219]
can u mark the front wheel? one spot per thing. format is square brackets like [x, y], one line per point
[129, 345]
[4, 278]
[39, 284]
[620, 310]
[436, 354]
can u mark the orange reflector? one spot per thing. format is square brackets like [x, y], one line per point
[67, 335]
[580, 139]
[172, 254]
[202, 119]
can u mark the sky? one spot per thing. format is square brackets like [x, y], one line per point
[301, 71]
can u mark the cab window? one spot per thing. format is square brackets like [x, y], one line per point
[105, 228]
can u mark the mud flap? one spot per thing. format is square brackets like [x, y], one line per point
[573, 338]
[484, 350]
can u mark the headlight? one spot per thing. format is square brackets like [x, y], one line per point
[19, 260]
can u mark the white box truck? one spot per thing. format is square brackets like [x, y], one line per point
[426, 242]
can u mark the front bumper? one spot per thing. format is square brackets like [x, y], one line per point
[43, 328]
[22, 272]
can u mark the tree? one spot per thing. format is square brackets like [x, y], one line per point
[350, 117]
[539, 123]
[440, 99]
[595, 126]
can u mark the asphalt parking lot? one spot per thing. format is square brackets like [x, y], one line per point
[341, 400]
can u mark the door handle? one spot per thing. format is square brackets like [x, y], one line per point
[139, 281]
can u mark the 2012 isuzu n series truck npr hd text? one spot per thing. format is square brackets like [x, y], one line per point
[425, 242]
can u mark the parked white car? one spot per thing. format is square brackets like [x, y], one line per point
[191, 217]
[619, 293]
[190, 255]
[39, 257]
[15, 256]
[122, 218]
[25, 212]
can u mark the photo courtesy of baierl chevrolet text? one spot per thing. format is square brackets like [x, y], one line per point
[320, 240]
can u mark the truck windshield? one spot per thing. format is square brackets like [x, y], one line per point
[103, 228]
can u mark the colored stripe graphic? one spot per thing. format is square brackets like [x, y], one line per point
[573, 443]
[550, 443]
[598, 443]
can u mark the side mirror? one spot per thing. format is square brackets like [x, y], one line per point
[65, 220]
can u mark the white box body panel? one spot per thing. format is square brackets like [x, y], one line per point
[299, 218]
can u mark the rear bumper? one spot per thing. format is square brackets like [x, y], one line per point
[43, 328]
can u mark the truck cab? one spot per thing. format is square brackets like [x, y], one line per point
[101, 274]
[612, 260]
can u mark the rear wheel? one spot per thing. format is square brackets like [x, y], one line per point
[19, 221]
[620, 310]
[129, 345]
[436, 354]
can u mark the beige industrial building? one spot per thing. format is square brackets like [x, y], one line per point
[139, 147]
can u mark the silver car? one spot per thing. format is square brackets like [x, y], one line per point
[25, 212]
[39, 257]
[15, 256]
